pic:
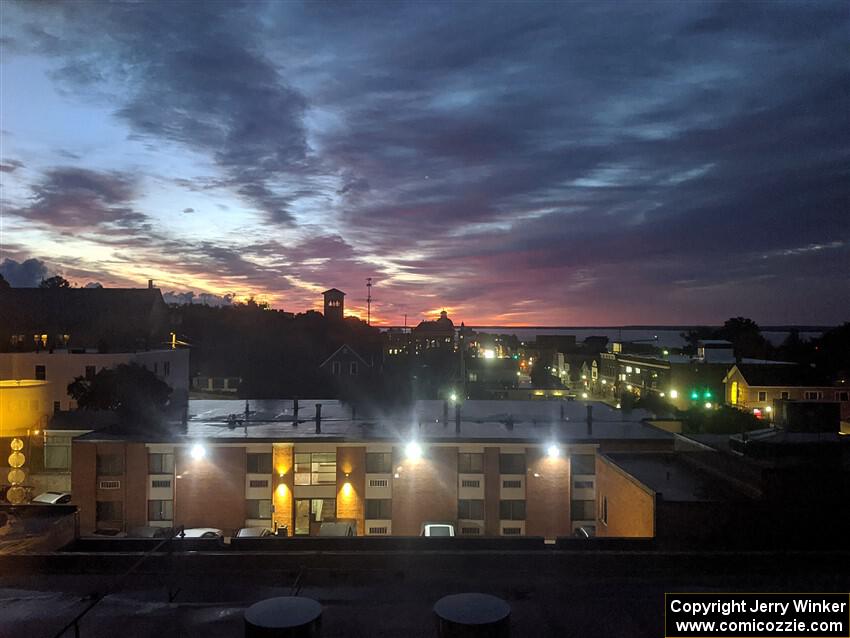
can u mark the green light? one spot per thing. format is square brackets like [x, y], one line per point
[694, 395]
[707, 394]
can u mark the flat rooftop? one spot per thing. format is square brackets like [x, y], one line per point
[671, 476]
[481, 421]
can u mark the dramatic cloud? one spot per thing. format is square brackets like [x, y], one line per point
[533, 163]
[26, 274]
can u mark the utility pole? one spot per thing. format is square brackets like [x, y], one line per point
[369, 301]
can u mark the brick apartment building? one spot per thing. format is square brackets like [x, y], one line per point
[488, 473]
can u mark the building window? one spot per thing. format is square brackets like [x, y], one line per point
[582, 510]
[91, 371]
[470, 463]
[161, 484]
[379, 462]
[813, 395]
[57, 453]
[56, 406]
[41, 373]
[603, 510]
[313, 510]
[166, 368]
[582, 464]
[582, 485]
[470, 483]
[336, 368]
[784, 395]
[260, 463]
[762, 396]
[160, 463]
[352, 369]
[110, 464]
[160, 510]
[473, 509]
[512, 484]
[512, 510]
[258, 508]
[111, 511]
[379, 508]
[512, 463]
[316, 468]
[733, 393]
[842, 396]
[258, 483]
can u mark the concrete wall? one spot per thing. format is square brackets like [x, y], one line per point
[631, 505]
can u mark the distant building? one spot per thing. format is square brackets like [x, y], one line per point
[756, 387]
[334, 304]
[108, 319]
[435, 335]
[59, 368]
[346, 363]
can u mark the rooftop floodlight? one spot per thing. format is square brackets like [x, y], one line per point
[413, 450]
[198, 451]
[553, 451]
[453, 396]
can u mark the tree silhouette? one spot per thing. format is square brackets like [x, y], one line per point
[56, 281]
[4, 285]
[136, 393]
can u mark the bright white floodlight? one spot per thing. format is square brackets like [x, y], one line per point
[413, 450]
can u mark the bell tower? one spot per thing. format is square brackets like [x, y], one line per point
[334, 304]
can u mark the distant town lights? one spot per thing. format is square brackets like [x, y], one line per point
[198, 451]
[489, 354]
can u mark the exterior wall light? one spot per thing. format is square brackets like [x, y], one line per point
[413, 450]
[198, 451]
[674, 394]
[553, 451]
[708, 405]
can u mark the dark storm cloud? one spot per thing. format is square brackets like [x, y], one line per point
[26, 274]
[76, 198]
[10, 166]
[586, 156]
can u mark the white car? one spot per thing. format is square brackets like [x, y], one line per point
[201, 532]
[438, 529]
[253, 532]
[53, 498]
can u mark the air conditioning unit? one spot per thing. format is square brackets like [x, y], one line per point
[109, 485]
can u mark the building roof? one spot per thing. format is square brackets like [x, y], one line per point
[781, 375]
[335, 291]
[534, 423]
[344, 347]
[673, 477]
[118, 316]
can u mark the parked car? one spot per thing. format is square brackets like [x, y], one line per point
[253, 532]
[338, 528]
[438, 529]
[52, 498]
[149, 532]
[201, 532]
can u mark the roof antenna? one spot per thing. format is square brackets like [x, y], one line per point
[368, 301]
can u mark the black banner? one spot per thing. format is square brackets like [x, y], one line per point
[757, 615]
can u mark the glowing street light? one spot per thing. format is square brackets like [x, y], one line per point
[584, 395]
[453, 397]
[198, 451]
[708, 405]
[413, 451]
[553, 451]
[674, 394]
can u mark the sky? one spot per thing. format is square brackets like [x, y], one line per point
[515, 163]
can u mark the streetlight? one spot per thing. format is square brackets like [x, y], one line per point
[413, 450]
[553, 451]
[198, 451]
